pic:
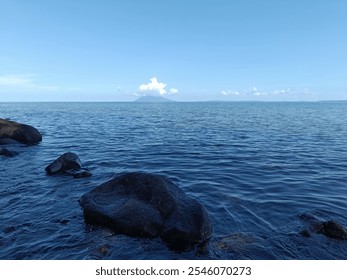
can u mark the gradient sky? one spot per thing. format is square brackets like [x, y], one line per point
[186, 50]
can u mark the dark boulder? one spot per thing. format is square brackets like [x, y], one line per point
[332, 229]
[11, 131]
[68, 163]
[7, 153]
[147, 205]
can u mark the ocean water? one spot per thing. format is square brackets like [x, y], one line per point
[257, 168]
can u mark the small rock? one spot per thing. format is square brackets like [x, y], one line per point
[305, 233]
[7, 153]
[331, 229]
[67, 161]
[9, 229]
[68, 164]
[61, 221]
[104, 249]
[334, 230]
[81, 173]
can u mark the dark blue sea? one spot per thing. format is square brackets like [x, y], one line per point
[259, 169]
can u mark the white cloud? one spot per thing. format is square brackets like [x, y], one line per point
[230, 92]
[154, 88]
[173, 91]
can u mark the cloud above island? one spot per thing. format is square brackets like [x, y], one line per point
[155, 88]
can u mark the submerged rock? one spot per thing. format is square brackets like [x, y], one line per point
[331, 229]
[11, 131]
[7, 153]
[234, 242]
[8, 141]
[80, 173]
[68, 163]
[147, 205]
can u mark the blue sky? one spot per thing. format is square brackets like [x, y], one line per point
[184, 50]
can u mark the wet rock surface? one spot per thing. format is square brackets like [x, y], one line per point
[11, 132]
[333, 229]
[147, 205]
[69, 164]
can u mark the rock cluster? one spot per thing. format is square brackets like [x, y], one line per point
[145, 205]
[136, 204]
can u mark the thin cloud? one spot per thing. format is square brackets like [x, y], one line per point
[15, 80]
[23, 82]
[230, 92]
[155, 88]
[254, 91]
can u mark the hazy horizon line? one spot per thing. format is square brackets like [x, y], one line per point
[176, 101]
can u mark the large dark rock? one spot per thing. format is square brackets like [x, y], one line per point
[141, 204]
[68, 163]
[12, 131]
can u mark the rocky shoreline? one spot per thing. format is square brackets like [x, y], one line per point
[141, 204]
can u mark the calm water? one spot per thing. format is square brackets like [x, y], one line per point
[255, 166]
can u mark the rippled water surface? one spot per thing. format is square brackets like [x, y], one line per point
[257, 167]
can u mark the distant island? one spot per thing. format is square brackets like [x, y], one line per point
[153, 99]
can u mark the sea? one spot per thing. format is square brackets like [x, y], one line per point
[265, 171]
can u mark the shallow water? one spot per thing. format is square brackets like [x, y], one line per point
[255, 166]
